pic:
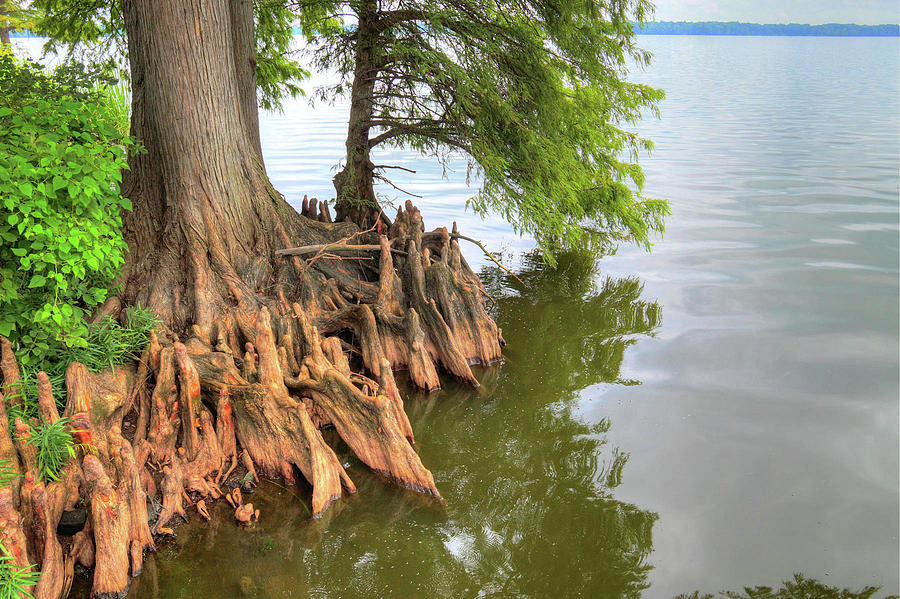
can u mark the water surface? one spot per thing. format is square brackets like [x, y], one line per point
[719, 413]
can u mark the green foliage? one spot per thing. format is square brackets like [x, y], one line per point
[97, 26]
[277, 73]
[798, 588]
[108, 343]
[60, 225]
[535, 92]
[15, 579]
[15, 15]
[55, 447]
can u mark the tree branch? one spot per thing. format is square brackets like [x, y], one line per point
[382, 137]
[393, 17]
[402, 168]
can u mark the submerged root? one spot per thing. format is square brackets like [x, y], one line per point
[297, 346]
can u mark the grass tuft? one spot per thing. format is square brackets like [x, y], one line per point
[55, 447]
[15, 579]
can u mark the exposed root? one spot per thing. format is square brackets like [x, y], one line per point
[291, 347]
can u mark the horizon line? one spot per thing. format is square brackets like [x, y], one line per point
[780, 24]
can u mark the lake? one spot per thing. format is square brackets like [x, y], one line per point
[720, 412]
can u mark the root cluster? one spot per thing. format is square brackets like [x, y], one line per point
[248, 394]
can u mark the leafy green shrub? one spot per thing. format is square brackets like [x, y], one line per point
[61, 244]
[15, 579]
[800, 587]
[55, 446]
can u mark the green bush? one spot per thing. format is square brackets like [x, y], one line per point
[800, 587]
[61, 244]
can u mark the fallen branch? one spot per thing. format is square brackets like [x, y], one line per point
[346, 247]
[339, 243]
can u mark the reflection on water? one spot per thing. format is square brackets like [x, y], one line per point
[764, 433]
[529, 484]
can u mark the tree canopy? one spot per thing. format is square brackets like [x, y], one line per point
[533, 92]
[98, 28]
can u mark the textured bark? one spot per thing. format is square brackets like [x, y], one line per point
[12, 533]
[47, 514]
[8, 452]
[356, 200]
[10, 371]
[110, 520]
[205, 217]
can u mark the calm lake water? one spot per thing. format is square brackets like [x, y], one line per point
[719, 413]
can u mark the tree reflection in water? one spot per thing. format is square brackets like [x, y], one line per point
[528, 480]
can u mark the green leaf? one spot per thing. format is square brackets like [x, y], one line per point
[36, 281]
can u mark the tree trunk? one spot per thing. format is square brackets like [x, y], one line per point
[244, 49]
[356, 200]
[249, 361]
[4, 23]
[203, 208]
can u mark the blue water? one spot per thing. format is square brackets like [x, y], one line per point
[765, 434]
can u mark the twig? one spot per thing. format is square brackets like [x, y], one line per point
[309, 249]
[400, 189]
[489, 255]
[402, 168]
[339, 242]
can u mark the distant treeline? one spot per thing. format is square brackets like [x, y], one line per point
[736, 28]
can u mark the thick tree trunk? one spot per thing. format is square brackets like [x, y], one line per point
[204, 210]
[356, 199]
[251, 358]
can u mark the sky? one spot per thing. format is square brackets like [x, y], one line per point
[814, 12]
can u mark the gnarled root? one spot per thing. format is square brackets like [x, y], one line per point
[110, 519]
[292, 345]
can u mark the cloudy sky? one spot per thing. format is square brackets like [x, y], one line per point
[863, 12]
